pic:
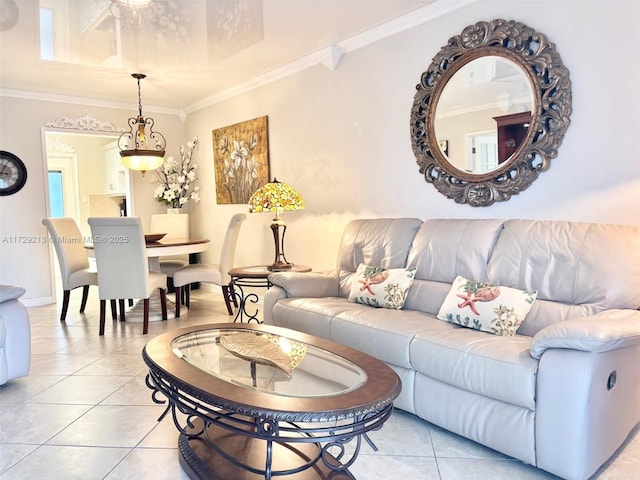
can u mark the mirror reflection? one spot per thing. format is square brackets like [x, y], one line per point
[483, 114]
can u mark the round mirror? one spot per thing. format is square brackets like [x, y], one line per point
[483, 114]
[490, 112]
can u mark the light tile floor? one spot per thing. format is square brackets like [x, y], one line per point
[84, 413]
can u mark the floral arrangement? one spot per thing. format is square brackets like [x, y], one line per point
[177, 178]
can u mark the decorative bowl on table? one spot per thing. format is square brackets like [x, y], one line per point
[153, 237]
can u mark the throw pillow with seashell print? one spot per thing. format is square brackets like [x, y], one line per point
[495, 309]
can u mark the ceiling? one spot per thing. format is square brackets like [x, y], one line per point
[190, 50]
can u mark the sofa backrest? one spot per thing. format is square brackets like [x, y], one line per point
[443, 249]
[383, 242]
[578, 268]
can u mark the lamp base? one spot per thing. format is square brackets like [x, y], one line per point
[280, 262]
[280, 266]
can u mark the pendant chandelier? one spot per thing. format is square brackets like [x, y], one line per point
[141, 150]
[132, 5]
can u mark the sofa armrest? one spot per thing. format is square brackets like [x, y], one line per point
[312, 284]
[15, 334]
[601, 332]
[10, 292]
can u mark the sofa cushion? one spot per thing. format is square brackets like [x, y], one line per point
[426, 296]
[309, 315]
[490, 308]
[445, 248]
[381, 287]
[566, 263]
[381, 241]
[379, 332]
[489, 365]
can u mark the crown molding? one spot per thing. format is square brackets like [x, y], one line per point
[84, 101]
[410, 20]
[331, 55]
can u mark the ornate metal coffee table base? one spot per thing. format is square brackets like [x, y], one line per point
[310, 425]
[200, 459]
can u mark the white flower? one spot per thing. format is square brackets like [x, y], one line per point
[158, 191]
[176, 178]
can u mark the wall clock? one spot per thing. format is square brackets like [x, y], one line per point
[13, 173]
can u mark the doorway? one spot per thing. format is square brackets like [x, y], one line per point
[82, 158]
[76, 167]
[482, 152]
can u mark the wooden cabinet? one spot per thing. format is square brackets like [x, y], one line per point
[117, 175]
[512, 130]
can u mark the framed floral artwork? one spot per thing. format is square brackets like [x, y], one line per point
[241, 159]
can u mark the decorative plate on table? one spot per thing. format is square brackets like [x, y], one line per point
[265, 349]
[153, 237]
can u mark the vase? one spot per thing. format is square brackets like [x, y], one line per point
[174, 211]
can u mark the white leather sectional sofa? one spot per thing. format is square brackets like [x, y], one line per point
[562, 394]
[15, 334]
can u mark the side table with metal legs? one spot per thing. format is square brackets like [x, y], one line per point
[255, 276]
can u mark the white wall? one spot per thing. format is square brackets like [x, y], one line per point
[341, 138]
[25, 252]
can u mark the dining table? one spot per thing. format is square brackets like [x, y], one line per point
[173, 246]
[155, 250]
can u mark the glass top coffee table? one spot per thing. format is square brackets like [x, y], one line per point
[259, 401]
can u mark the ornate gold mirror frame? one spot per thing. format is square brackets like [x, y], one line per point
[547, 114]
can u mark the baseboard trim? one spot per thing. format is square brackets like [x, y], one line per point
[37, 302]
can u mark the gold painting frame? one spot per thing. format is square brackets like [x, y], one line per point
[241, 160]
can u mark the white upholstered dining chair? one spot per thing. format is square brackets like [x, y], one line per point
[217, 274]
[72, 259]
[123, 268]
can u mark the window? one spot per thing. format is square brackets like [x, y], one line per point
[56, 200]
[47, 47]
